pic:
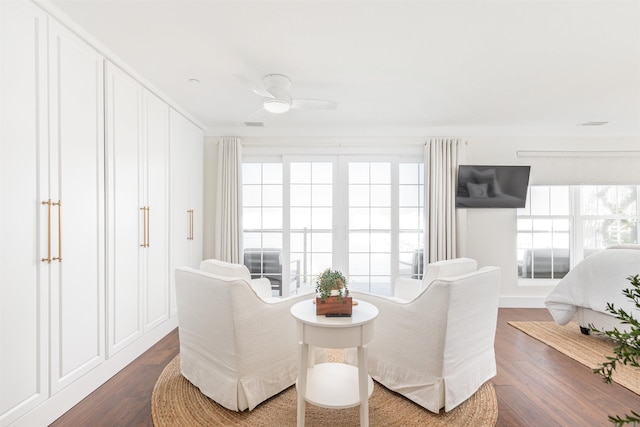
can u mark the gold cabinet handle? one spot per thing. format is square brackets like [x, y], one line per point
[145, 232]
[190, 212]
[144, 228]
[59, 257]
[48, 258]
[148, 224]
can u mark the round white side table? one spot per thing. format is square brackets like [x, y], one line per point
[334, 385]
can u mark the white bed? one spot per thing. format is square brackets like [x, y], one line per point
[599, 279]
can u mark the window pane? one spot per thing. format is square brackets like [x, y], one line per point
[381, 218]
[272, 218]
[321, 218]
[272, 173]
[358, 264]
[359, 283]
[358, 195]
[297, 242]
[380, 285]
[409, 218]
[409, 173]
[300, 218]
[251, 173]
[539, 200]
[381, 264]
[252, 240]
[300, 173]
[380, 195]
[358, 218]
[272, 195]
[322, 195]
[380, 173]
[322, 172]
[358, 242]
[272, 240]
[252, 218]
[598, 234]
[358, 173]
[409, 195]
[322, 242]
[628, 200]
[300, 195]
[320, 262]
[409, 242]
[559, 196]
[380, 242]
[251, 195]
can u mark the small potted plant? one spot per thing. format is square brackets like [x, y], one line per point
[332, 294]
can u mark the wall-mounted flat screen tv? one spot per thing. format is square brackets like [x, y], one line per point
[481, 186]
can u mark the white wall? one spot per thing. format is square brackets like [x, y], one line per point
[491, 233]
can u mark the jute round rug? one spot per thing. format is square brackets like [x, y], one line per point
[176, 402]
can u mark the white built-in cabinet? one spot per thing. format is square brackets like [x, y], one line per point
[24, 279]
[100, 196]
[186, 143]
[52, 280]
[76, 182]
[137, 129]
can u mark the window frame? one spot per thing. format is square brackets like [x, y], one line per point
[340, 252]
[576, 225]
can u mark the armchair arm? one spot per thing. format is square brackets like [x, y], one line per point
[262, 286]
[407, 289]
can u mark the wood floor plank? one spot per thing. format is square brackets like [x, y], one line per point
[535, 385]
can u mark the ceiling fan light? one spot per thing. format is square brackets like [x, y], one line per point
[276, 106]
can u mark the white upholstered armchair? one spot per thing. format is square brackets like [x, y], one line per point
[236, 347]
[261, 285]
[437, 348]
[408, 289]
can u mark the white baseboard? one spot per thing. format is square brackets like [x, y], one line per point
[521, 302]
[67, 398]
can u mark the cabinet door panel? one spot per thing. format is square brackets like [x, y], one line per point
[125, 217]
[23, 151]
[77, 181]
[157, 188]
[181, 154]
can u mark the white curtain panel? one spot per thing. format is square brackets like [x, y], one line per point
[441, 160]
[228, 229]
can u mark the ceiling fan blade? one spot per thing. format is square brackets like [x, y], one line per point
[313, 104]
[255, 87]
[256, 115]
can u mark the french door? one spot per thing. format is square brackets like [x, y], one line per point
[361, 215]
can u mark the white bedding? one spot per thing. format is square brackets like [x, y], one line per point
[597, 280]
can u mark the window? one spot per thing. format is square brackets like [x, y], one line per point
[561, 225]
[370, 226]
[361, 216]
[262, 199]
[311, 218]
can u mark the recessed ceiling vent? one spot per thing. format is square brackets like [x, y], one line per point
[592, 123]
[254, 124]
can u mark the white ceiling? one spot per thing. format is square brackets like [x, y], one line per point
[394, 67]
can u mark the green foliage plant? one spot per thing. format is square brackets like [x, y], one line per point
[627, 350]
[329, 280]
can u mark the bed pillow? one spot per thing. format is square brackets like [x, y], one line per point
[464, 176]
[487, 177]
[477, 191]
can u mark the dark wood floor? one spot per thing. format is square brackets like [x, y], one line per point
[536, 385]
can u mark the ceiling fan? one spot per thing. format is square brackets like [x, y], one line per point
[276, 97]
